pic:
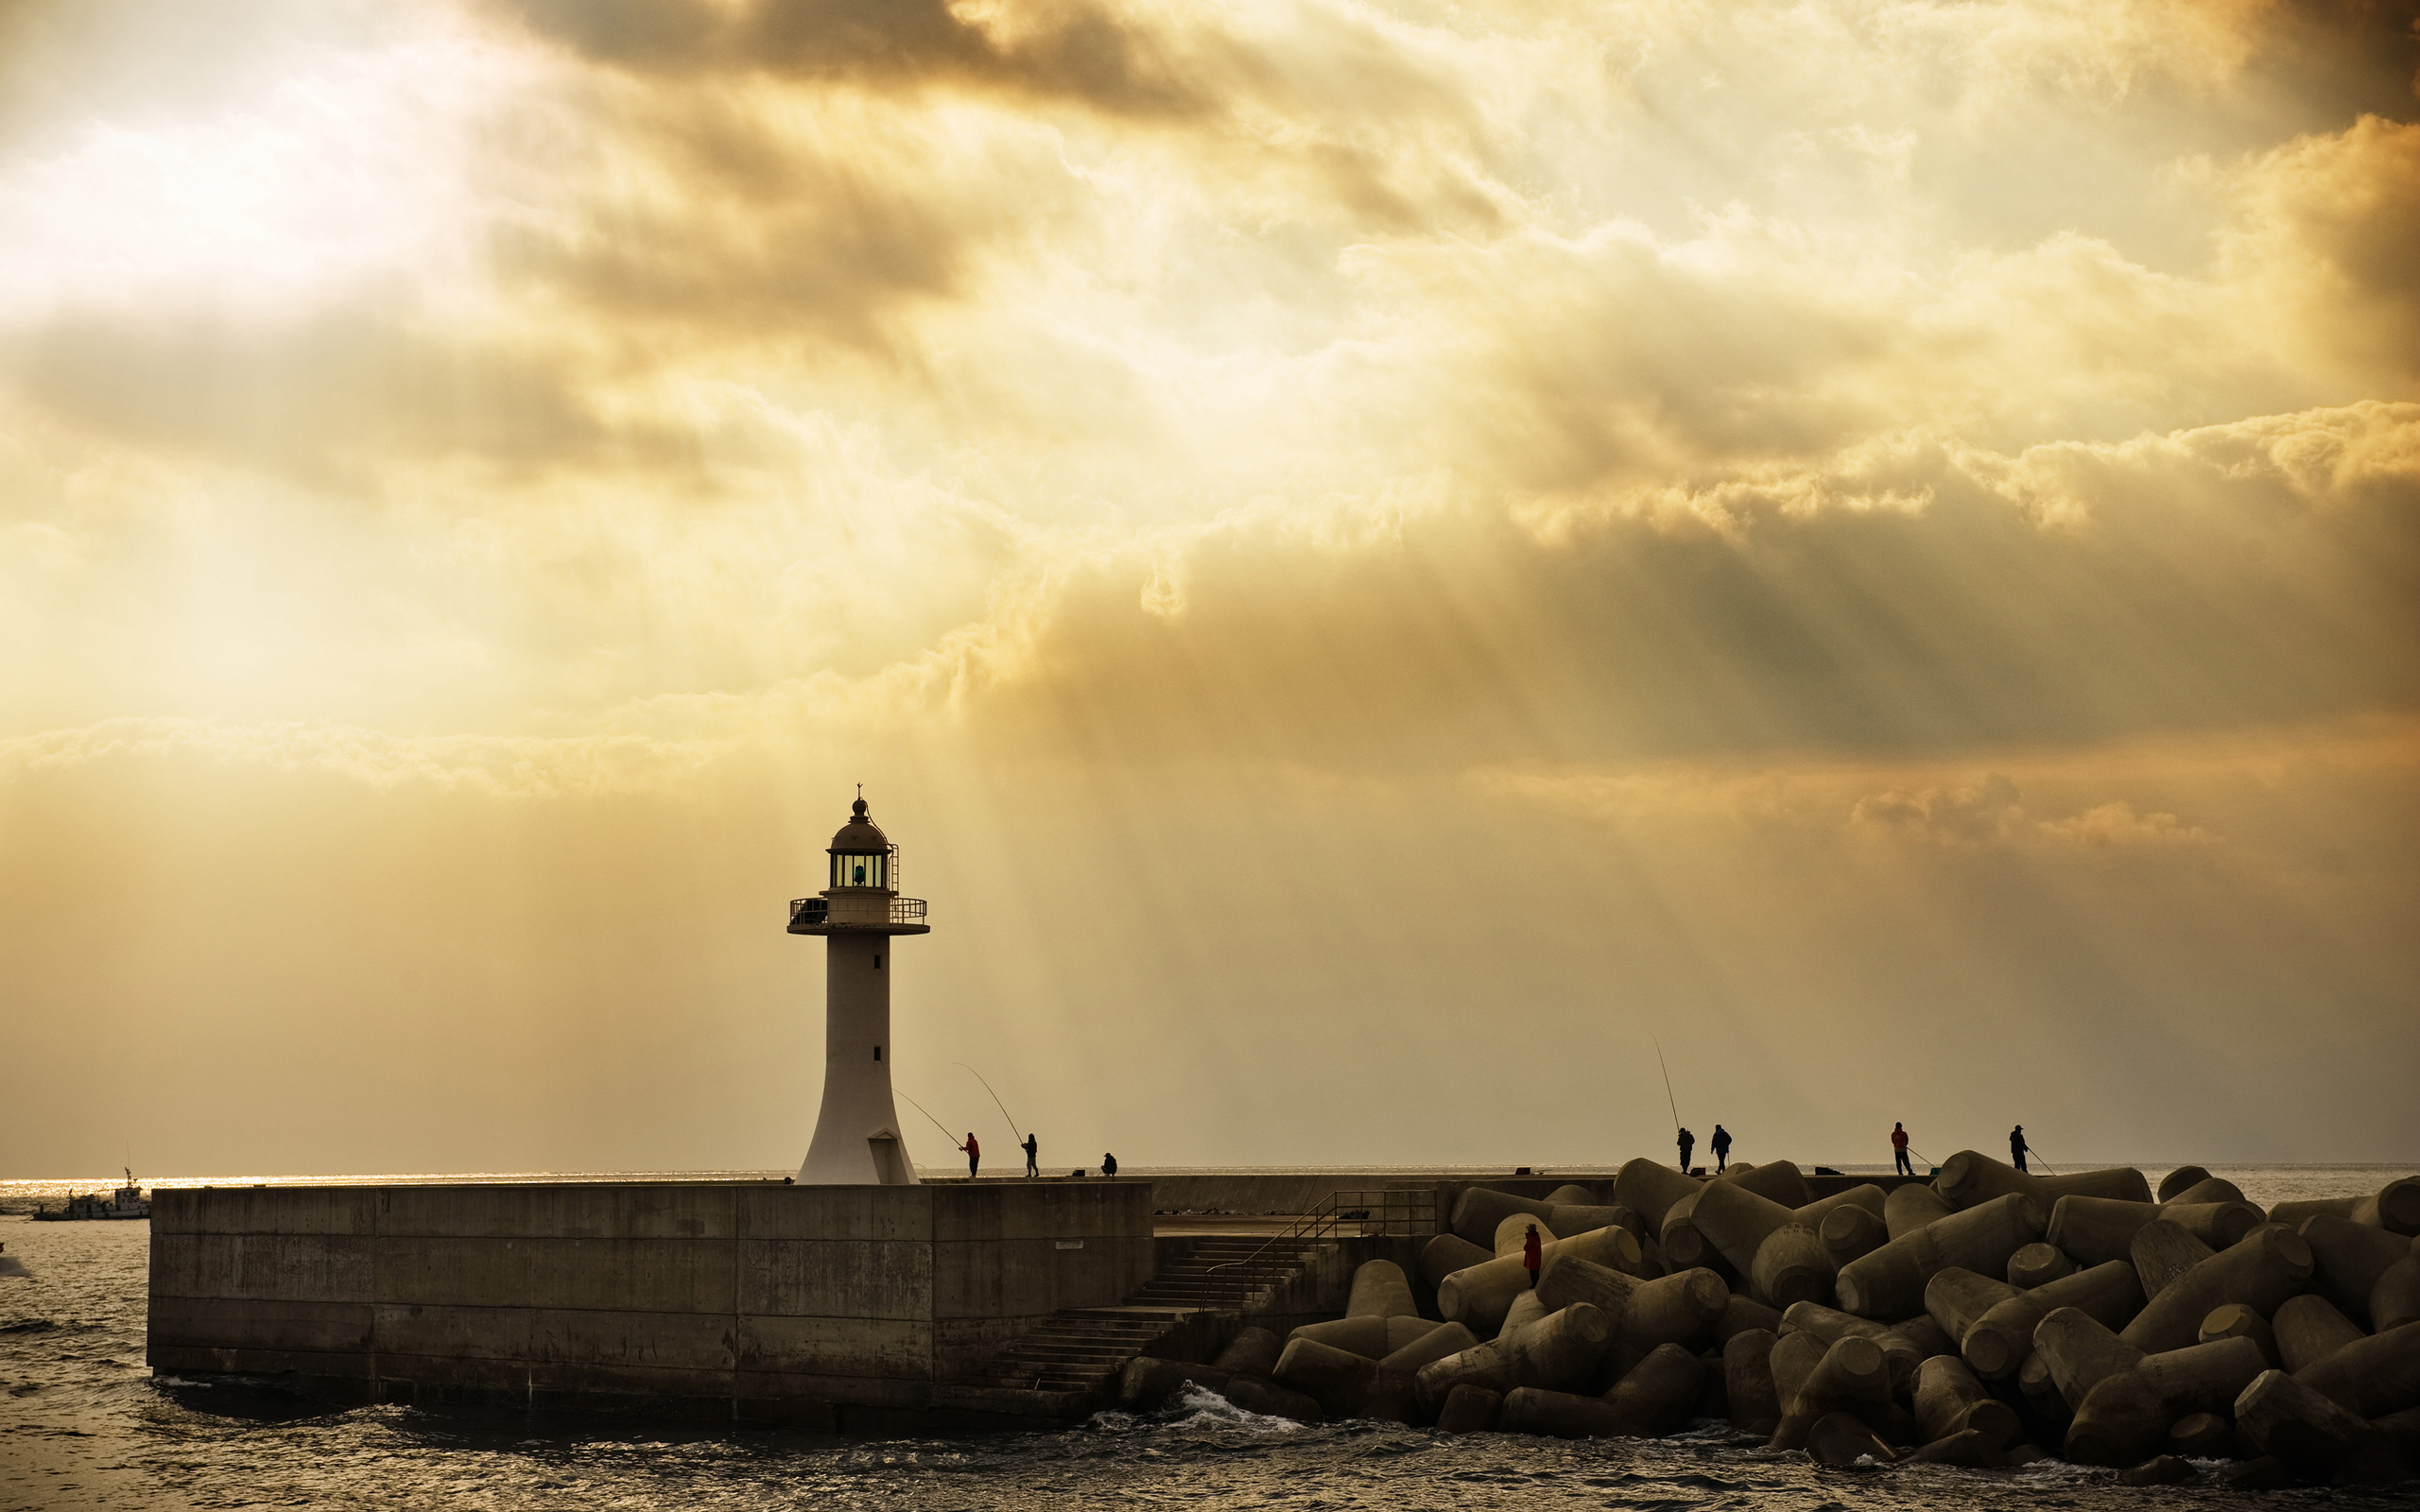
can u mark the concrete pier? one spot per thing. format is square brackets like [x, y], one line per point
[816, 1306]
[997, 1303]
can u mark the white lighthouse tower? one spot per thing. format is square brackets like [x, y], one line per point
[856, 1135]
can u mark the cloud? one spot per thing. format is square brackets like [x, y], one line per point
[1990, 812]
[511, 768]
[2118, 824]
[710, 223]
[332, 397]
[2282, 555]
[1901, 516]
[1977, 815]
[1073, 50]
[2328, 222]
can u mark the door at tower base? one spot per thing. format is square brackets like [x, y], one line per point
[890, 1165]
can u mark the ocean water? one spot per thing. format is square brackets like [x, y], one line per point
[83, 1423]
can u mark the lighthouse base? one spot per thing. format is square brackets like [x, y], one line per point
[879, 1160]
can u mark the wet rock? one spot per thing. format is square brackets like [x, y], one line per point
[1252, 1351]
[2263, 1475]
[2307, 1330]
[1839, 1439]
[2269, 1265]
[1469, 1409]
[2035, 1263]
[1969, 1449]
[1380, 1289]
[1748, 1378]
[2200, 1435]
[2161, 1470]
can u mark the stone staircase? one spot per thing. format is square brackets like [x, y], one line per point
[1213, 1273]
[1077, 1350]
[1073, 1356]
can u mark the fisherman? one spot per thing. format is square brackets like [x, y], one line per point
[1033, 1147]
[974, 1154]
[1899, 1150]
[2016, 1146]
[1530, 1254]
[1688, 1143]
[1109, 1165]
[1721, 1145]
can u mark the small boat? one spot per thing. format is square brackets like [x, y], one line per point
[126, 1202]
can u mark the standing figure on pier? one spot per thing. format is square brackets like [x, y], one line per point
[973, 1154]
[2016, 1146]
[1899, 1150]
[1033, 1151]
[1721, 1145]
[1689, 1142]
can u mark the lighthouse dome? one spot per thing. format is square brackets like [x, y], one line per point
[860, 836]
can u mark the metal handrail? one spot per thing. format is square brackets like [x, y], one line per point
[1327, 1220]
[815, 910]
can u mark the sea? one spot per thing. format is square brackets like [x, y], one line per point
[83, 1423]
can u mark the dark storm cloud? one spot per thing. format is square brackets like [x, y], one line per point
[2337, 61]
[1071, 50]
[752, 233]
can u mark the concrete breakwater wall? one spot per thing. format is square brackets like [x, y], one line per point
[1276, 1192]
[758, 1301]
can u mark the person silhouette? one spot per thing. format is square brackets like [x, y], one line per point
[974, 1154]
[1109, 1165]
[2016, 1147]
[1721, 1145]
[1531, 1254]
[1687, 1141]
[1899, 1150]
[1032, 1148]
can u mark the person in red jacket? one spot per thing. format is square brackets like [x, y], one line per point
[1530, 1254]
[973, 1154]
[1899, 1149]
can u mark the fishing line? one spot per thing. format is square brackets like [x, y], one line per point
[1668, 1085]
[996, 1100]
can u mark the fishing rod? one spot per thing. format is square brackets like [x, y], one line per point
[1668, 1085]
[936, 1123]
[996, 1100]
[2046, 1163]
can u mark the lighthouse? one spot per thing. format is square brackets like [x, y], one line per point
[856, 1135]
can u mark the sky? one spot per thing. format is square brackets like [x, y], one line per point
[1384, 563]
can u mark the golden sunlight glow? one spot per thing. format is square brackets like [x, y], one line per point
[1374, 554]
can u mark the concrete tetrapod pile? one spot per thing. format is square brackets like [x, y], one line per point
[1990, 1319]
